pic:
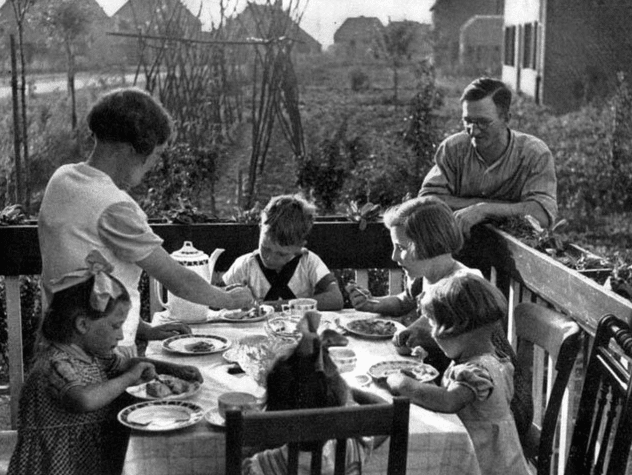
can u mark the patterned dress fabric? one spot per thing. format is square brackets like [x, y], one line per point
[52, 440]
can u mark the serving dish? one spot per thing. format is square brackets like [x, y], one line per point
[140, 390]
[161, 415]
[196, 344]
[421, 371]
[371, 328]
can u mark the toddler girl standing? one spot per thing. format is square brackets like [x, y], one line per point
[478, 384]
[67, 415]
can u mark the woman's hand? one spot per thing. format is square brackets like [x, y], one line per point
[241, 297]
[166, 330]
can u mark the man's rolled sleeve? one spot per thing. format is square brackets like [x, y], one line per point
[541, 185]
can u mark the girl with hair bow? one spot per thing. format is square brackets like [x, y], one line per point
[67, 415]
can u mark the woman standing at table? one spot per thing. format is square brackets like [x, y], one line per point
[425, 236]
[86, 206]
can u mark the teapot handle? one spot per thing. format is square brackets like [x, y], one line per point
[212, 260]
[158, 288]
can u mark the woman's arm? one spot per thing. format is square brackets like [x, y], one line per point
[430, 396]
[188, 285]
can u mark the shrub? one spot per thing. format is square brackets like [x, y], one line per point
[359, 80]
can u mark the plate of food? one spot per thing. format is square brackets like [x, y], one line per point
[374, 328]
[165, 387]
[162, 415]
[196, 344]
[420, 371]
[249, 315]
[283, 327]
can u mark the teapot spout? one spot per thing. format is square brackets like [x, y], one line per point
[213, 259]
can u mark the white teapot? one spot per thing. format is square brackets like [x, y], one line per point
[199, 262]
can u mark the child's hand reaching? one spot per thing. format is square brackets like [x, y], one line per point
[142, 372]
[187, 373]
[360, 298]
[400, 384]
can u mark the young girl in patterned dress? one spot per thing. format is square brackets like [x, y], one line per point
[478, 384]
[67, 421]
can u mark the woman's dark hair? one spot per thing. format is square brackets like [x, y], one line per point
[489, 87]
[130, 115]
[429, 223]
[69, 304]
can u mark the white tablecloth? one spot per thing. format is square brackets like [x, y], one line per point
[438, 443]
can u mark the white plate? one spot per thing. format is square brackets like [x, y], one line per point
[241, 316]
[160, 416]
[350, 327]
[212, 417]
[181, 344]
[140, 391]
[224, 315]
[423, 372]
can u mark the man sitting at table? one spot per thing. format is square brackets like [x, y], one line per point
[490, 171]
[282, 269]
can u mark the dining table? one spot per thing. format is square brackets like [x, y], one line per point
[438, 443]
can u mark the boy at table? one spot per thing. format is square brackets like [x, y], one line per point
[282, 269]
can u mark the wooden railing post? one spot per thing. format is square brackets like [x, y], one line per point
[14, 331]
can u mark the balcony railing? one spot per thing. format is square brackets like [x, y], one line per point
[522, 273]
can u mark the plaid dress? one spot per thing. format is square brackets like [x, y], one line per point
[54, 440]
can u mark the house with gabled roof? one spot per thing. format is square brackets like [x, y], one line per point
[259, 20]
[448, 16]
[565, 53]
[359, 36]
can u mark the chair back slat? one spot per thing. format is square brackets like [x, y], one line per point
[316, 426]
[602, 437]
[557, 340]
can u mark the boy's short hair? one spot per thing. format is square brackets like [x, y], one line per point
[429, 223]
[288, 219]
[462, 303]
[130, 115]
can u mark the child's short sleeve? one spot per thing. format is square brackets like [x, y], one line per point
[472, 376]
[63, 376]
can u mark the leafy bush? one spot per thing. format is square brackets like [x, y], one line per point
[359, 80]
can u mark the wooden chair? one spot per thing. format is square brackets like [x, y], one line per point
[559, 337]
[297, 427]
[603, 428]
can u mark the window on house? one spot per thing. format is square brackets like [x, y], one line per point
[509, 58]
[529, 47]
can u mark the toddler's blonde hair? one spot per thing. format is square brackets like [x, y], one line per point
[462, 303]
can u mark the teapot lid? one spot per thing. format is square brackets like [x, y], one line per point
[189, 253]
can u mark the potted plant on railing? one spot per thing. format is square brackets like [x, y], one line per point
[549, 241]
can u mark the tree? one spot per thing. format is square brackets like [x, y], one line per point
[397, 42]
[68, 23]
[20, 10]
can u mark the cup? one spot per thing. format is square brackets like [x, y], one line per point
[298, 307]
[245, 402]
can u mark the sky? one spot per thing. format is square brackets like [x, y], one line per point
[321, 18]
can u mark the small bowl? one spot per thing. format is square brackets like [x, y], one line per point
[282, 327]
[245, 402]
[344, 358]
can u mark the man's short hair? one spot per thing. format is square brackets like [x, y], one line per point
[288, 219]
[429, 223]
[489, 87]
